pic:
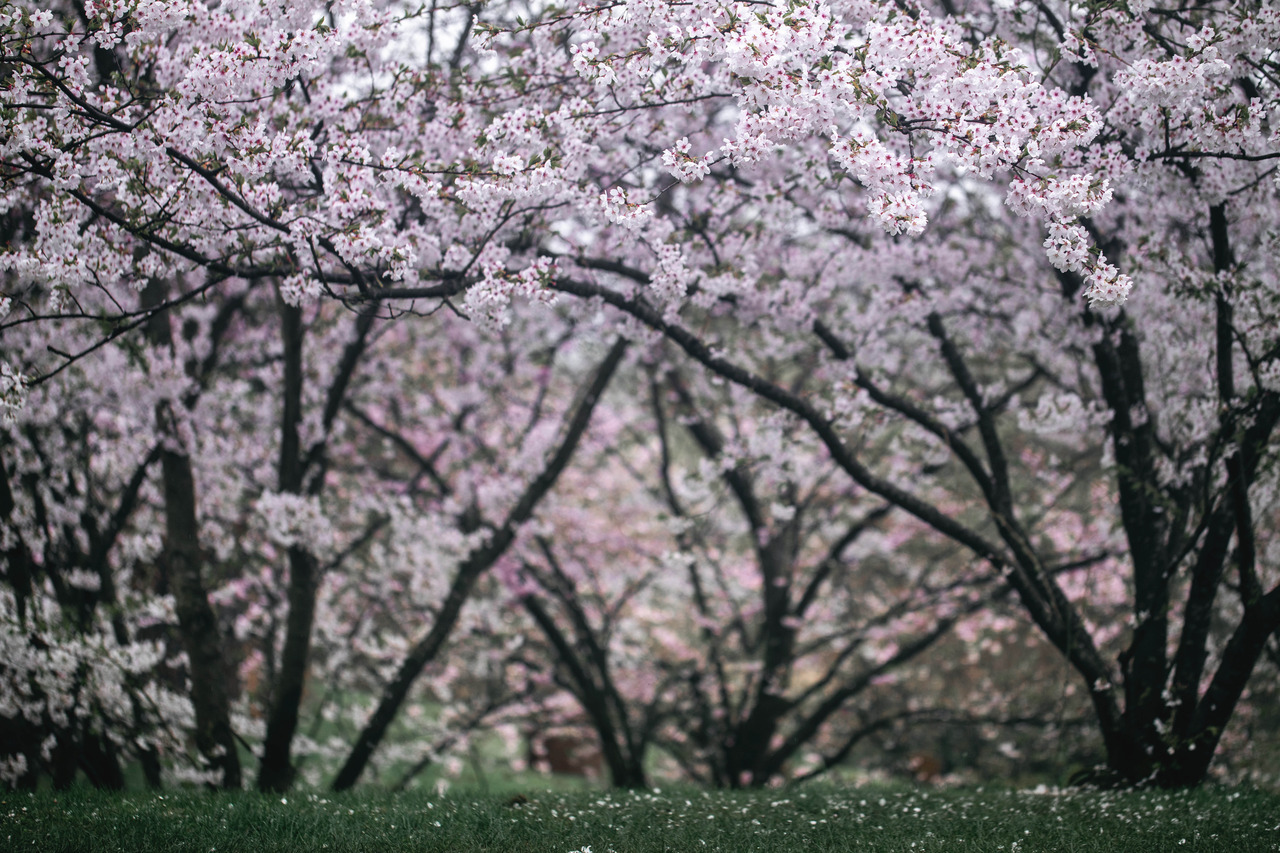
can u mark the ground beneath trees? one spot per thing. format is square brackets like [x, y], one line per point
[812, 818]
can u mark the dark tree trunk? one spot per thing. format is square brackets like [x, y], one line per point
[17, 558]
[64, 763]
[1169, 732]
[591, 684]
[184, 561]
[196, 620]
[276, 771]
[100, 762]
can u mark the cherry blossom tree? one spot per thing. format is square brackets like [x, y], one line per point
[930, 216]
[968, 345]
[750, 612]
[106, 624]
[732, 643]
[105, 490]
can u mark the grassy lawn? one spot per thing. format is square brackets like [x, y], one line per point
[678, 820]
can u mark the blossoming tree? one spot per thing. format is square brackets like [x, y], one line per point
[159, 575]
[750, 611]
[969, 341]
[932, 213]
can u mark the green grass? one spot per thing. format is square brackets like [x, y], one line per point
[676, 820]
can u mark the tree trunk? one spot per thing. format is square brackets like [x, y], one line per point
[276, 771]
[196, 620]
[422, 653]
[599, 699]
[184, 561]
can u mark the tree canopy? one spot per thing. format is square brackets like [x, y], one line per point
[681, 371]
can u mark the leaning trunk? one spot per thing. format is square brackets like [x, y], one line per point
[475, 565]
